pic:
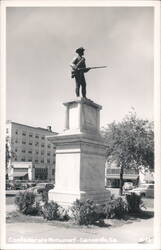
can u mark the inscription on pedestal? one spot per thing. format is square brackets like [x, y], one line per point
[89, 117]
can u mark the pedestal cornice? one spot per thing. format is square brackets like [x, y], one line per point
[76, 138]
[83, 101]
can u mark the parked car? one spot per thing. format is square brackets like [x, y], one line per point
[145, 190]
[31, 184]
[24, 186]
[44, 187]
[18, 186]
[41, 187]
[128, 186]
[9, 186]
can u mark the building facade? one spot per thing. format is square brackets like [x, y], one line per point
[32, 155]
[112, 175]
[137, 176]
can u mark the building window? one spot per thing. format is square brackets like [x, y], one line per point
[23, 133]
[7, 130]
[42, 145]
[30, 143]
[37, 136]
[41, 173]
[37, 152]
[16, 150]
[23, 142]
[49, 146]
[36, 161]
[42, 153]
[30, 135]
[42, 161]
[36, 143]
[48, 160]
[23, 151]
[30, 160]
[23, 159]
[16, 132]
[30, 152]
[42, 137]
[48, 153]
[53, 171]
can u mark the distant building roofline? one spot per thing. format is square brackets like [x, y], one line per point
[43, 129]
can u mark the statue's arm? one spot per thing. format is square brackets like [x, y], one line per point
[85, 68]
[73, 63]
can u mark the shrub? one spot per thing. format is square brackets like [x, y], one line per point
[134, 202]
[52, 211]
[116, 207]
[63, 214]
[26, 203]
[84, 212]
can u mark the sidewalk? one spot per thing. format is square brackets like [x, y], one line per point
[49, 233]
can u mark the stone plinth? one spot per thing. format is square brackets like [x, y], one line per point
[82, 115]
[80, 156]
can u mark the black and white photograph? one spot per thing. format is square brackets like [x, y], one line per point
[80, 125]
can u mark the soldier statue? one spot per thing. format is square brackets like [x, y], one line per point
[78, 69]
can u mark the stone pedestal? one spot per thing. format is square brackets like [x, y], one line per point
[80, 156]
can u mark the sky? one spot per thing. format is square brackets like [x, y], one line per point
[41, 43]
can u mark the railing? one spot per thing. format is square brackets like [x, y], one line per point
[116, 171]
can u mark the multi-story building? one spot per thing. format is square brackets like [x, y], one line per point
[32, 155]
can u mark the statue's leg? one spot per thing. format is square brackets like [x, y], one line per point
[77, 86]
[83, 87]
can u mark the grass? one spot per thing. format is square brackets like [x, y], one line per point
[10, 200]
[149, 203]
[18, 217]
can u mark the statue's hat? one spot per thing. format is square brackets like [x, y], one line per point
[79, 49]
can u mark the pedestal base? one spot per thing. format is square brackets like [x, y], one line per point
[66, 199]
[80, 156]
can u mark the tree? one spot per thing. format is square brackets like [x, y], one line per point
[130, 143]
[10, 155]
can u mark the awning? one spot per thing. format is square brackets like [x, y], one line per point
[19, 174]
[133, 177]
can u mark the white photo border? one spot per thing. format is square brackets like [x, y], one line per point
[157, 112]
